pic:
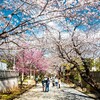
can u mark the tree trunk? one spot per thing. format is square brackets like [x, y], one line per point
[30, 73]
[88, 79]
[22, 78]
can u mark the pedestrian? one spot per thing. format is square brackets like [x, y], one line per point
[56, 81]
[45, 81]
[36, 80]
[53, 82]
[59, 82]
[47, 84]
[44, 84]
[43, 87]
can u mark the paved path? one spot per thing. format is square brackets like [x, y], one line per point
[64, 93]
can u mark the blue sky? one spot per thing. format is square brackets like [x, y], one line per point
[1, 1]
[92, 20]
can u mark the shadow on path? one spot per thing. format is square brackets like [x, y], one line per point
[75, 94]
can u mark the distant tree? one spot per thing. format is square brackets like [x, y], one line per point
[97, 64]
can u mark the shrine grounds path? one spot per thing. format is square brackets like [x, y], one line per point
[64, 93]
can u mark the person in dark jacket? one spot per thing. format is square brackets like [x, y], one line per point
[43, 85]
[47, 85]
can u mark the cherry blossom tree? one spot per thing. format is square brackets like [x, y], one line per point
[29, 60]
[75, 47]
[53, 18]
[75, 37]
[27, 16]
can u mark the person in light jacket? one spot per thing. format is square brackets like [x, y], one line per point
[59, 83]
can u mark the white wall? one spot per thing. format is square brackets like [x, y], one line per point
[3, 66]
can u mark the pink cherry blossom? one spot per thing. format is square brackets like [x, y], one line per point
[31, 58]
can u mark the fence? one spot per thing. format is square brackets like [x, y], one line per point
[8, 74]
[8, 80]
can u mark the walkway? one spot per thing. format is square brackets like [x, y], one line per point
[64, 93]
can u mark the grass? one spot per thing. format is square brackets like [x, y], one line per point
[15, 93]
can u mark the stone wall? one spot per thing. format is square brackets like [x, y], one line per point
[8, 80]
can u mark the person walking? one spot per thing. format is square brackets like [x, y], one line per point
[59, 83]
[44, 84]
[36, 80]
[56, 81]
[53, 82]
[47, 84]
[43, 87]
